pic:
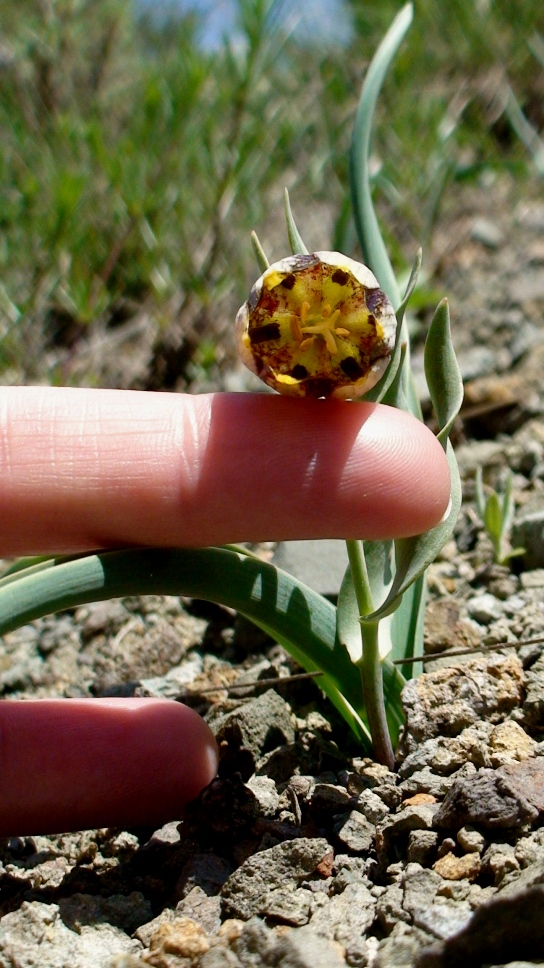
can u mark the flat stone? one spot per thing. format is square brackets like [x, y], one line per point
[321, 564]
[253, 729]
[287, 906]
[355, 832]
[283, 866]
[444, 918]
[495, 799]
[445, 702]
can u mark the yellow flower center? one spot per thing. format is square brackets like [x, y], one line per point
[306, 327]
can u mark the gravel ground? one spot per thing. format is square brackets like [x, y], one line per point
[302, 853]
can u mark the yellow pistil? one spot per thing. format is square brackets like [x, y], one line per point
[322, 324]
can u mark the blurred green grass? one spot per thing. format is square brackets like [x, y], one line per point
[134, 164]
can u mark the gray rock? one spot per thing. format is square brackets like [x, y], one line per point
[424, 781]
[205, 910]
[371, 806]
[355, 832]
[259, 947]
[477, 361]
[264, 790]
[484, 608]
[282, 866]
[445, 702]
[251, 730]
[393, 832]
[303, 948]
[444, 918]
[401, 948]
[498, 861]
[346, 919]
[320, 564]
[36, 934]
[207, 871]
[328, 800]
[495, 799]
[470, 840]
[420, 888]
[530, 850]
[389, 909]
[287, 906]
[422, 845]
[528, 878]
[219, 957]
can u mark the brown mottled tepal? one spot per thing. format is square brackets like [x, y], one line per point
[317, 325]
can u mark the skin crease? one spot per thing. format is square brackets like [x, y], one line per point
[88, 469]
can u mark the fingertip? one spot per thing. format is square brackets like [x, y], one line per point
[75, 764]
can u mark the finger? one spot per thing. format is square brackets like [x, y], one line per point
[86, 469]
[75, 764]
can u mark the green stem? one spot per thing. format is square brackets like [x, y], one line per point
[370, 665]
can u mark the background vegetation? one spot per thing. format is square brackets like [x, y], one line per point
[134, 164]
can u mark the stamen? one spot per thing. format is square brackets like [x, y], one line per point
[330, 342]
[340, 331]
[296, 330]
[306, 343]
[304, 310]
[326, 311]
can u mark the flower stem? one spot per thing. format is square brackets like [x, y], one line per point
[370, 663]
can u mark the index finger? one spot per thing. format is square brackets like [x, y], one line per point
[85, 469]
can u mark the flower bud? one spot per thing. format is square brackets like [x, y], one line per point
[317, 326]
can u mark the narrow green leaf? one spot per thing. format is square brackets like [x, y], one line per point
[414, 555]
[295, 238]
[260, 255]
[348, 624]
[493, 518]
[366, 222]
[442, 371]
[411, 285]
[407, 624]
[395, 395]
[380, 577]
[296, 616]
[350, 636]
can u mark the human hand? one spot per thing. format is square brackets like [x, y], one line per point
[89, 469]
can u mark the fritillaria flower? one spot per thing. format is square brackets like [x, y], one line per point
[317, 326]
